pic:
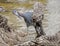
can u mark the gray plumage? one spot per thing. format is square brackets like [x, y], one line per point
[27, 17]
[31, 21]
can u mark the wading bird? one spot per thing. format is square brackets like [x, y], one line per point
[31, 21]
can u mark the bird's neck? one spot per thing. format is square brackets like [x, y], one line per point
[20, 14]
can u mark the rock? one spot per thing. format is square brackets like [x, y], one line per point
[42, 41]
[2, 9]
[53, 18]
[15, 37]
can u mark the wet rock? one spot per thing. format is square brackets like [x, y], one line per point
[15, 37]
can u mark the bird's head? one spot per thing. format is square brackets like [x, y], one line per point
[15, 12]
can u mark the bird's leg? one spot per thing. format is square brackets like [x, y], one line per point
[27, 29]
